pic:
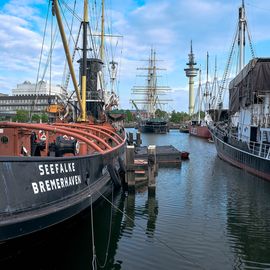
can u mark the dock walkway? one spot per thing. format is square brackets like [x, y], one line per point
[166, 155]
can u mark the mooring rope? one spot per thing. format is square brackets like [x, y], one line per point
[94, 261]
[155, 237]
[109, 236]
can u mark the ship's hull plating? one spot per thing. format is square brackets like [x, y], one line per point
[199, 131]
[36, 193]
[242, 159]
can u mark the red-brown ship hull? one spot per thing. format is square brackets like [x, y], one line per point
[199, 131]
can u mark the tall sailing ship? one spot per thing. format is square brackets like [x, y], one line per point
[150, 100]
[51, 172]
[244, 138]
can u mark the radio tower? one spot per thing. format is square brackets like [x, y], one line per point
[191, 73]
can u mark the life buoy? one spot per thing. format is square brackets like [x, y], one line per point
[42, 135]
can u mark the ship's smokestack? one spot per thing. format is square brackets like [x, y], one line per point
[94, 93]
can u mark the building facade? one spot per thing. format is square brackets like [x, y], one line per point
[34, 98]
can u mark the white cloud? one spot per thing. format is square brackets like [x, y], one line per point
[168, 26]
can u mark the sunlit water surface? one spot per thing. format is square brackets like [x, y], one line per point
[205, 215]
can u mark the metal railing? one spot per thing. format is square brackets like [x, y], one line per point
[259, 149]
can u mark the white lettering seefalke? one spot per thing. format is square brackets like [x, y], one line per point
[55, 168]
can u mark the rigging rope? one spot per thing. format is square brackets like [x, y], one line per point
[40, 57]
[65, 19]
[50, 86]
[66, 73]
[224, 78]
[71, 11]
[46, 66]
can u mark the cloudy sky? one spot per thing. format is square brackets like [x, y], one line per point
[166, 25]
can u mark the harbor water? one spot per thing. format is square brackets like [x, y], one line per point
[206, 214]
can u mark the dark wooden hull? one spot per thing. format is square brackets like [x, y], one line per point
[241, 158]
[38, 192]
[157, 127]
[184, 130]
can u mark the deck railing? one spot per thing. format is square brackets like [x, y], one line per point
[259, 149]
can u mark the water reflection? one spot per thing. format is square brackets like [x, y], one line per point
[151, 206]
[209, 214]
[129, 212]
[248, 222]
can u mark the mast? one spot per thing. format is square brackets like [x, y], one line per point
[215, 86]
[151, 84]
[84, 59]
[199, 95]
[113, 75]
[102, 32]
[206, 92]
[151, 90]
[56, 11]
[241, 37]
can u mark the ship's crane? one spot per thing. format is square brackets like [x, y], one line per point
[137, 109]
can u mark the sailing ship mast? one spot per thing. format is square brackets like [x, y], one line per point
[91, 96]
[112, 100]
[152, 77]
[241, 38]
[102, 32]
[199, 95]
[241, 41]
[206, 93]
[151, 91]
[81, 97]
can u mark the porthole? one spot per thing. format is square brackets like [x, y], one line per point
[4, 139]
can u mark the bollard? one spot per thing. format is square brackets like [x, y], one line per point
[130, 138]
[152, 161]
[83, 148]
[130, 175]
[138, 139]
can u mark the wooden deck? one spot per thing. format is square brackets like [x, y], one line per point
[167, 156]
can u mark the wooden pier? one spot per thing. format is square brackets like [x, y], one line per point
[142, 162]
[167, 155]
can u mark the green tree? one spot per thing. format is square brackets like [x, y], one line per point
[35, 118]
[44, 118]
[161, 114]
[21, 116]
[129, 117]
[179, 117]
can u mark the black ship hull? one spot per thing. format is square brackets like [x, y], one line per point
[36, 193]
[157, 127]
[240, 156]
